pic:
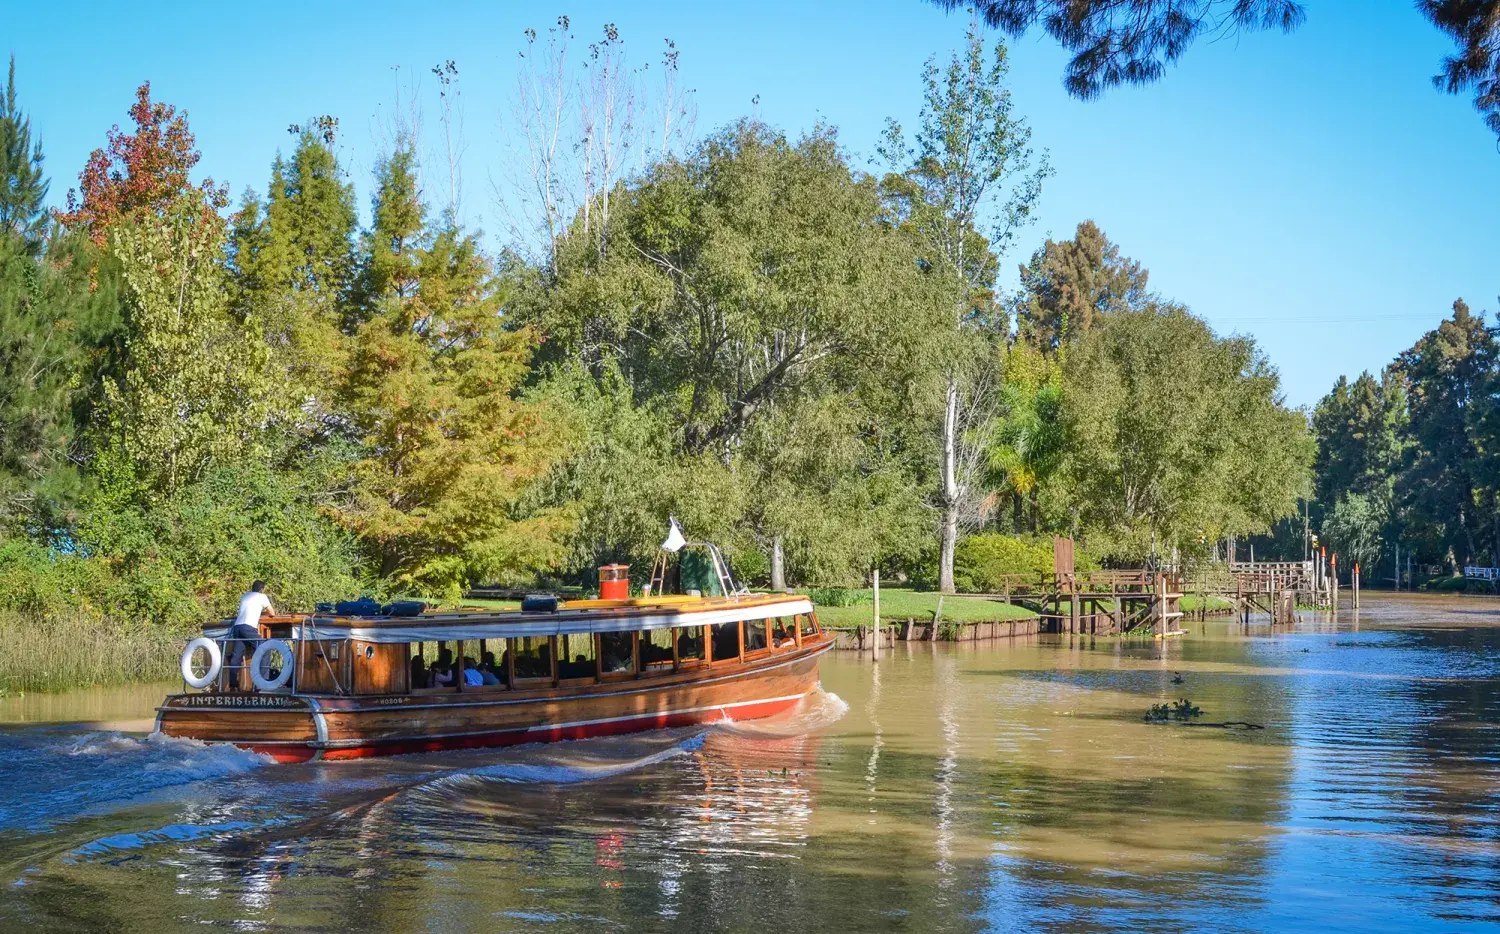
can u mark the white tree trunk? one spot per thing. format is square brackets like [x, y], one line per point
[778, 566]
[950, 498]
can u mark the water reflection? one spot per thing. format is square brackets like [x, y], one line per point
[1003, 786]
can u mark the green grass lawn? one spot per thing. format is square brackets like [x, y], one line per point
[1192, 603]
[898, 604]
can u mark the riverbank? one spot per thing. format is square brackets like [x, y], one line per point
[901, 604]
[910, 615]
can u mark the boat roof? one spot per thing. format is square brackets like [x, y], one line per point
[574, 616]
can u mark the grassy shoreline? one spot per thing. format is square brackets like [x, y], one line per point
[78, 652]
[901, 604]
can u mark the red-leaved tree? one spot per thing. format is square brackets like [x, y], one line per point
[135, 172]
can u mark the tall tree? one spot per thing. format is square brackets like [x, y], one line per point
[1118, 42]
[1177, 436]
[1360, 431]
[1444, 373]
[1069, 284]
[136, 173]
[965, 186]
[23, 187]
[191, 387]
[294, 266]
[751, 280]
[445, 448]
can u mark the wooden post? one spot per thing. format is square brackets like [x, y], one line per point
[875, 577]
[1333, 582]
[1356, 585]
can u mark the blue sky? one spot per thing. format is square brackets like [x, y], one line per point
[1313, 190]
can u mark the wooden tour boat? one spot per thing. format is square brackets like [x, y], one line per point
[329, 686]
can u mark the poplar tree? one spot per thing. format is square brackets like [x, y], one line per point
[191, 387]
[963, 188]
[445, 449]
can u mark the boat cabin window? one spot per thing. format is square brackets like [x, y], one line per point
[726, 641]
[532, 656]
[617, 653]
[690, 645]
[755, 635]
[576, 657]
[656, 649]
[808, 623]
[783, 633]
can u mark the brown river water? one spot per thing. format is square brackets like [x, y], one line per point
[1002, 786]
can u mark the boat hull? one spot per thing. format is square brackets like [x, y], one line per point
[293, 728]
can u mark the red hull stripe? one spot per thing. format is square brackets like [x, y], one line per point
[613, 727]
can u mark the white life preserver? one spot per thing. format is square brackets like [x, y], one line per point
[263, 650]
[215, 662]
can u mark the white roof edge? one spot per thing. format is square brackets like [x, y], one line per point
[558, 623]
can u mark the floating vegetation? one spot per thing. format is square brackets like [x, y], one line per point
[1183, 709]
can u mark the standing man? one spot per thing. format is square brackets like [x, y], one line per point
[247, 627]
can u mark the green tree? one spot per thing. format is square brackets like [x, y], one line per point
[23, 186]
[1442, 374]
[742, 286]
[1027, 439]
[1176, 436]
[445, 450]
[1069, 284]
[294, 266]
[191, 387]
[963, 189]
[1360, 429]
[1352, 529]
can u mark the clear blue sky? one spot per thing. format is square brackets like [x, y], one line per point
[1313, 190]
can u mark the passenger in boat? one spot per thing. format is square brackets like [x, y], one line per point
[246, 628]
[418, 671]
[441, 673]
[487, 672]
[472, 677]
[782, 637]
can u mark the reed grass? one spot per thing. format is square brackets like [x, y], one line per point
[60, 654]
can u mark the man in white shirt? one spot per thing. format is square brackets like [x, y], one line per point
[247, 627]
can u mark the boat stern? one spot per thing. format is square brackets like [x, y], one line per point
[285, 727]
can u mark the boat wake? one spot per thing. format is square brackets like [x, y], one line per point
[569, 763]
[49, 777]
[816, 711]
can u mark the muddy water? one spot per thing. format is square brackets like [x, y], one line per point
[1007, 786]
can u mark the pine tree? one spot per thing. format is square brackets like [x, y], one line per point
[23, 187]
[293, 260]
[446, 449]
[1444, 374]
[1068, 284]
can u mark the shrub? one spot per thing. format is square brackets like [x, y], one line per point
[838, 596]
[982, 561]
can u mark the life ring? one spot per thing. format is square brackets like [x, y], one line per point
[215, 662]
[264, 650]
